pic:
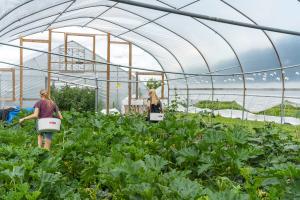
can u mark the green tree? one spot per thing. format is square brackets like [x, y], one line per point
[153, 84]
[80, 99]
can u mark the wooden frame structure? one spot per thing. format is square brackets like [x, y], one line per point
[67, 34]
[49, 42]
[13, 78]
[66, 62]
[22, 41]
[137, 74]
[109, 43]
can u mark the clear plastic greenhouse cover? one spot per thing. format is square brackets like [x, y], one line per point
[250, 66]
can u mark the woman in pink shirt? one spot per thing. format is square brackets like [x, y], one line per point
[44, 108]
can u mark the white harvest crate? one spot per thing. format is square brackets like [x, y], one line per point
[48, 125]
[156, 116]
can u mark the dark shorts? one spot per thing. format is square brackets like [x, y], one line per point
[46, 135]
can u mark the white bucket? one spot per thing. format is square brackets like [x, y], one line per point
[48, 125]
[156, 116]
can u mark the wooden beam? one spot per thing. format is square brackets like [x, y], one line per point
[120, 42]
[75, 62]
[80, 34]
[31, 99]
[36, 41]
[21, 72]
[6, 100]
[72, 71]
[14, 84]
[108, 74]
[49, 61]
[154, 74]
[150, 73]
[7, 69]
[129, 77]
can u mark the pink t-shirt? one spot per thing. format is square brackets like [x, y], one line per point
[46, 108]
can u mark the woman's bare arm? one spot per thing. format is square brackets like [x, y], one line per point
[59, 115]
[34, 115]
[160, 107]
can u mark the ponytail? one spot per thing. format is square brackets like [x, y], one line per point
[44, 93]
[47, 96]
[153, 97]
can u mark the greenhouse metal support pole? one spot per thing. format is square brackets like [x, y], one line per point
[94, 52]
[168, 96]
[46, 81]
[49, 61]
[21, 72]
[205, 17]
[187, 100]
[129, 77]
[96, 96]
[163, 86]
[136, 85]
[65, 52]
[282, 107]
[108, 73]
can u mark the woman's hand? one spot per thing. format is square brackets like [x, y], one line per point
[21, 120]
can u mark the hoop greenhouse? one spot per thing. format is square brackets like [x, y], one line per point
[221, 78]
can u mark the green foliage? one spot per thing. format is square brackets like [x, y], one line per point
[218, 105]
[79, 99]
[124, 157]
[153, 84]
[172, 108]
[289, 111]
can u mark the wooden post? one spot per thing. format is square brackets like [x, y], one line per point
[129, 77]
[49, 61]
[66, 48]
[94, 52]
[162, 86]
[108, 73]
[14, 84]
[21, 72]
[137, 85]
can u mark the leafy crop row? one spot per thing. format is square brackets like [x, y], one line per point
[115, 157]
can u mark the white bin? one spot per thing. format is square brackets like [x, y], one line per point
[48, 125]
[156, 116]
